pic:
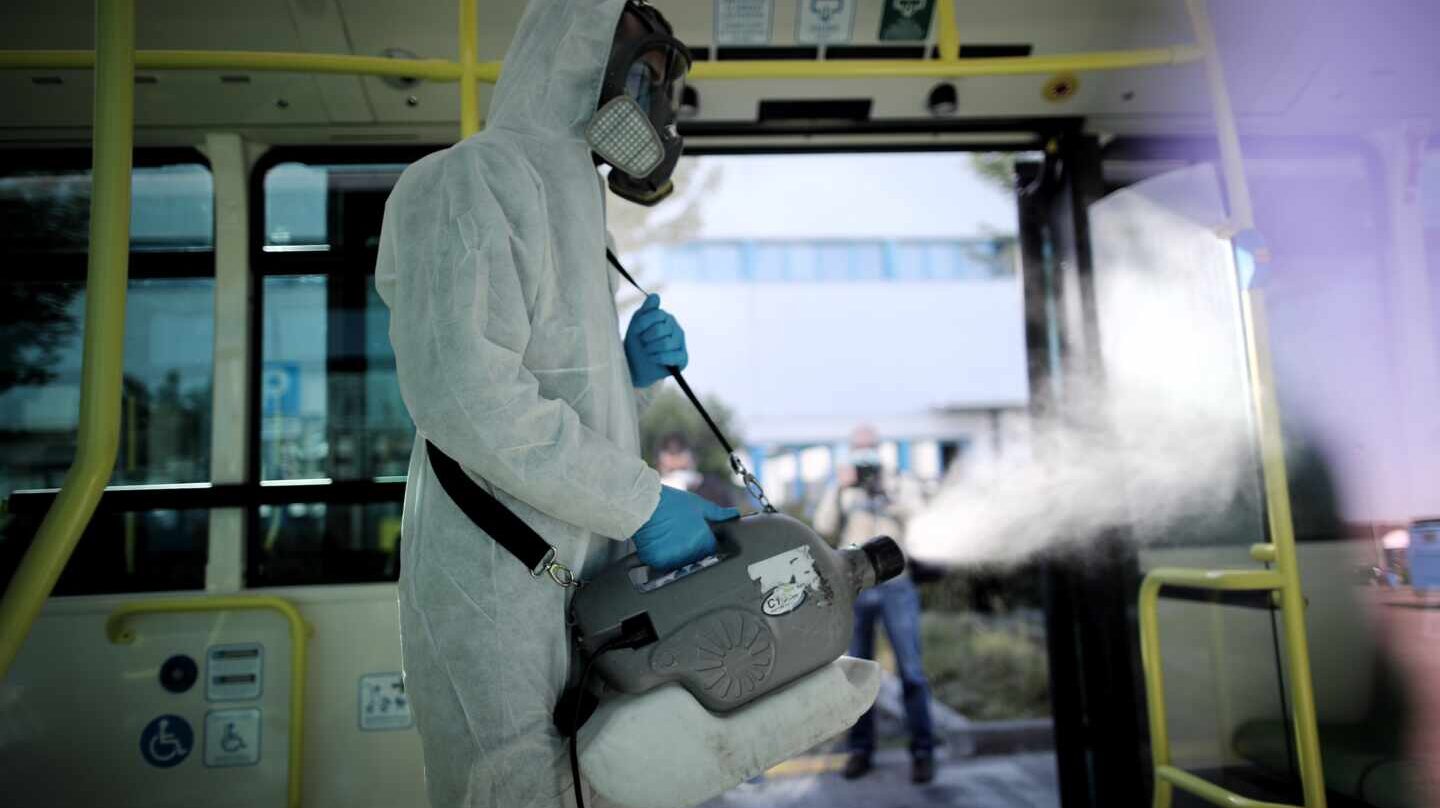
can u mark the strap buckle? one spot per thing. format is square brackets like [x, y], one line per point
[559, 573]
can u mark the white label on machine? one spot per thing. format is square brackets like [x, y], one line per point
[232, 737]
[743, 22]
[795, 566]
[824, 21]
[233, 672]
[383, 703]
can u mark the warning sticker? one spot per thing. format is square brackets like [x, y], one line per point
[824, 21]
[383, 703]
[906, 20]
[743, 22]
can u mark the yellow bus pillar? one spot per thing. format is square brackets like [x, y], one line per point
[469, 75]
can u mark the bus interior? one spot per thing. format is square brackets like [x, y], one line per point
[1143, 295]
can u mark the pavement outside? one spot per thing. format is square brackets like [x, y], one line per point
[1026, 780]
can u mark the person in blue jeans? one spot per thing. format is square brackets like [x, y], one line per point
[866, 502]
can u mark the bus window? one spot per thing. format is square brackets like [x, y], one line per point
[330, 407]
[165, 407]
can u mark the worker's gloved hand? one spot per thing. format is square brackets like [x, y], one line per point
[678, 532]
[654, 342]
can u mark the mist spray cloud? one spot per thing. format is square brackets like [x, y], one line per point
[1162, 442]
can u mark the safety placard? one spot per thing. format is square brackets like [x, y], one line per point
[906, 20]
[383, 703]
[826, 22]
[234, 672]
[232, 737]
[743, 22]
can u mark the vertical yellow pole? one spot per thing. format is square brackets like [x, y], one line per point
[469, 81]
[949, 34]
[1153, 671]
[98, 436]
[1237, 187]
[1282, 535]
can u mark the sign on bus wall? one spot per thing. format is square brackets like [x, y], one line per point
[743, 22]
[828, 22]
[906, 20]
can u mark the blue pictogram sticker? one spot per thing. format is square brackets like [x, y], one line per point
[167, 741]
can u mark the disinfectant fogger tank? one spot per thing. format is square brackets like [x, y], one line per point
[773, 604]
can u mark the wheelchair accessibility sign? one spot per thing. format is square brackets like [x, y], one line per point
[167, 741]
[232, 737]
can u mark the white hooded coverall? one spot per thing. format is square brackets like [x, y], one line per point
[507, 345]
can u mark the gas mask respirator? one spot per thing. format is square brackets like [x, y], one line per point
[634, 128]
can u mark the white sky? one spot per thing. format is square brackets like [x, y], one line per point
[914, 195]
[789, 356]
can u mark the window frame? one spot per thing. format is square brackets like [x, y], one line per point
[342, 282]
[144, 264]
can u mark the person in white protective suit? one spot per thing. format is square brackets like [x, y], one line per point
[510, 360]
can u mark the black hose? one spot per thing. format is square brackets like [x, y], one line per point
[574, 727]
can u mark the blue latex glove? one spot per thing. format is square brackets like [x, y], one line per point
[654, 342]
[678, 532]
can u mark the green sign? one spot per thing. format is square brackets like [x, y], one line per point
[906, 20]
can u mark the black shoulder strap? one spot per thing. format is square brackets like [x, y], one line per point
[502, 525]
[488, 514]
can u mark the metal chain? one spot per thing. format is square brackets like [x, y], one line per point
[752, 485]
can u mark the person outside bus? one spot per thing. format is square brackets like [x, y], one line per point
[675, 460]
[865, 502]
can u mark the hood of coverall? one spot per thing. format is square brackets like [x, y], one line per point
[549, 85]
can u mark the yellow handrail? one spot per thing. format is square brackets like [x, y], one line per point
[469, 75]
[1280, 550]
[117, 632]
[949, 35]
[430, 69]
[1282, 536]
[1208, 791]
[1284, 579]
[98, 436]
[489, 72]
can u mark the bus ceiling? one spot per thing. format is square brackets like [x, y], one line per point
[349, 71]
[981, 79]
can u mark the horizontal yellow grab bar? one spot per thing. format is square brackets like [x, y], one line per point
[118, 632]
[1210, 792]
[442, 70]
[1231, 580]
[429, 69]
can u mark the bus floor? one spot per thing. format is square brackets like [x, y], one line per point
[1025, 780]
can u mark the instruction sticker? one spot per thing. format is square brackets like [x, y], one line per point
[824, 21]
[906, 20]
[232, 737]
[383, 703]
[234, 672]
[743, 22]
